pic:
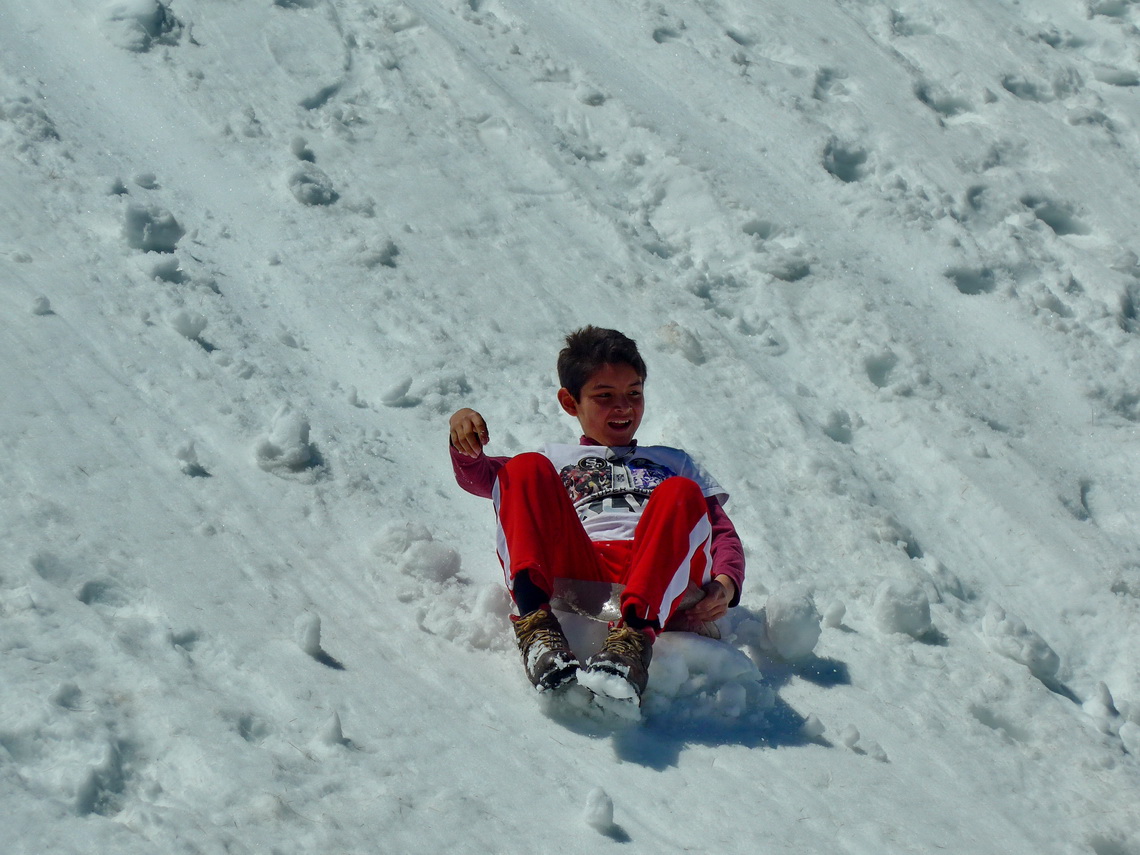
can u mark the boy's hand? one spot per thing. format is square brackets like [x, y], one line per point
[468, 432]
[718, 594]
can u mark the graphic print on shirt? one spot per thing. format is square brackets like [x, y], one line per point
[597, 485]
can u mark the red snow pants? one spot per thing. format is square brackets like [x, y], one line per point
[539, 532]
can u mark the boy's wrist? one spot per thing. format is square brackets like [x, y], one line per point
[729, 586]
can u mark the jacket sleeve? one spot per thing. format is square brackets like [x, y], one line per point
[727, 550]
[476, 475]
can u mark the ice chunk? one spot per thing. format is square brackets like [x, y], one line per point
[813, 728]
[307, 632]
[286, 448]
[332, 733]
[188, 324]
[833, 615]
[901, 606]
[791, 623]
[599, 811]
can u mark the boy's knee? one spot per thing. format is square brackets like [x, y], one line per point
[679, 493]
[529, 461]
[679, 487]
[529, 466]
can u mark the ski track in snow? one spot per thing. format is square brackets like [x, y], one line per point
[880, 258]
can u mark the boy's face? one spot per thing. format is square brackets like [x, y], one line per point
[610, 406]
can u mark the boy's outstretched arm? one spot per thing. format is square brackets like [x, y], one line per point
[468, 432]
[474, 471]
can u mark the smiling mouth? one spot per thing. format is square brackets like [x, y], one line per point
[621, 425]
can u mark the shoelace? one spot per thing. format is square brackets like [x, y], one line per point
[542, 631]
[625, 642]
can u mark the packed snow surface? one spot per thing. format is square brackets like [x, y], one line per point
[882, 260]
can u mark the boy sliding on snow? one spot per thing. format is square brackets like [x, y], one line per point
[605, 510]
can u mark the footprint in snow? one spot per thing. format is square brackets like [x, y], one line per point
[1008, 636]
[103, 788]
[102, 592]
[151, 228]
[310, 50]
[972, 281]
[139, 25]
[1110, 8]
[906, 26]
[830, 84]
[311, 186]
[1059, 216]
[946, 102]
[846, 161]
[1064, 84]
[187, 457]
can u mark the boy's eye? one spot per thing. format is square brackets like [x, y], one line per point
[632, 395]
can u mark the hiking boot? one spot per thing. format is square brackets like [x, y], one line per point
[547, 657]
[625, 654]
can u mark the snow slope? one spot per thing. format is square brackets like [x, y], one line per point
[882, 261]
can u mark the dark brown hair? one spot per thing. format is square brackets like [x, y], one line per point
[588, 349]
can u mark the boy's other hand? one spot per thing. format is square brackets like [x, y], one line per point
[468, 432]
[718, 594]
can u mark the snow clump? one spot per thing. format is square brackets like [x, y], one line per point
[449, 606]
[307, 633]
[411, 547]
[697, 678]
[188, 324]
[475, 615]
[833, 615]
[791, 623]
[286, 447]
[1008, 636]
[901, 606]
[599, 813]
[813, 728]
[332, 733]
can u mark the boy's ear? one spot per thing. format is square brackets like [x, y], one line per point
[567, 401]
